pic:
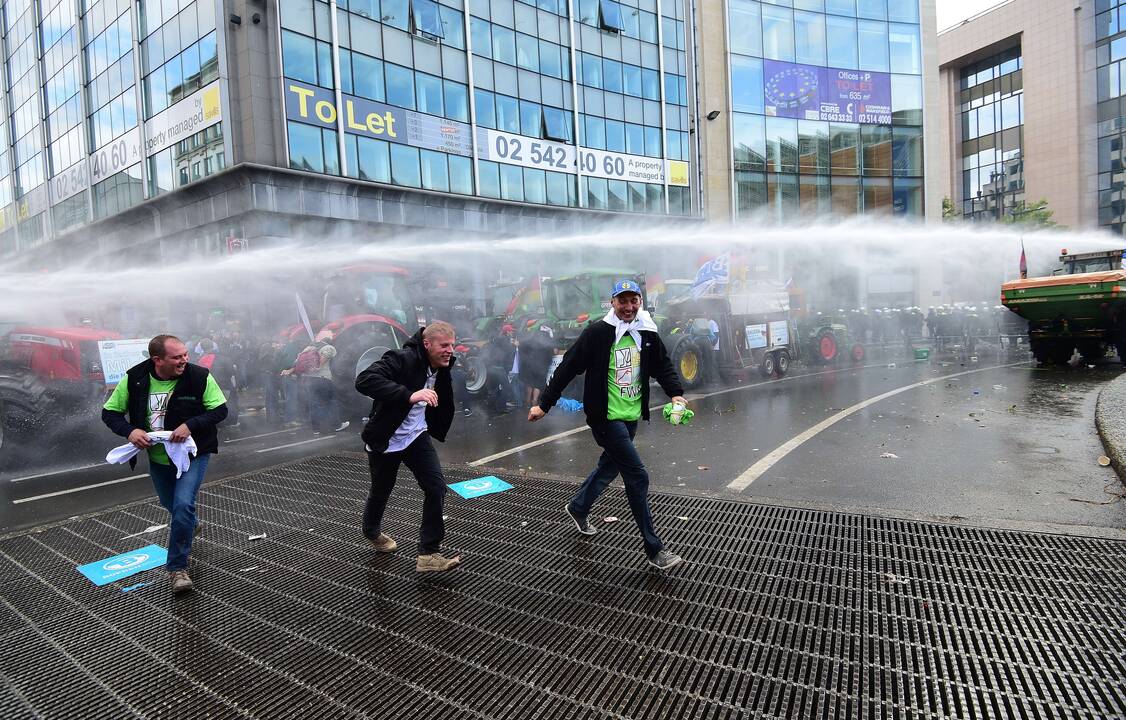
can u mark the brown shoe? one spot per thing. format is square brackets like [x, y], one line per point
[384, 543]
[436, 563]
[198, 529]
[181, 582]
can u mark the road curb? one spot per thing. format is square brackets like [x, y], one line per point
[1110, 420]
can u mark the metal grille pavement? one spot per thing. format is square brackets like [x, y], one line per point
[779, 613]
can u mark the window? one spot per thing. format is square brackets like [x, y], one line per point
[610, 16]
[907, 152]
[746, 84]
[374, 159]
[749, 134]
[877, 149]
[591, 70]
[744, 27]
[873, 44]
[299, 57]
[781, 144]
[504, 45]
[461, 175]
[615, 136]
[511, 182]
[528, 52]
[809, 38]
[428, 91]
[612, 75]
[305, 149]
[508, 114]
[435, 171]
[556, 124]
[905, 53]
[531, 119]
[840, 42]
[404, 166]
[778, 33]
[457, 100]
[906, 100]
[400, 86]
[425, 18]
[367, 73]
[486, 112]
[535, 186]
[490, 178]
[631, 76]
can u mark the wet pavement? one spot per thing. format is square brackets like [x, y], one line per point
[995, 440]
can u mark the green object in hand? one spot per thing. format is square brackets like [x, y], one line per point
[677, 414]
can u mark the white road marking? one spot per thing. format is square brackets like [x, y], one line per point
[56, 472]
[253, 437]
[689, 398]
[77, 489]
[754, 472]
[295, 444]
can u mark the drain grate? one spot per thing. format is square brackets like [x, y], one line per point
[779, 613]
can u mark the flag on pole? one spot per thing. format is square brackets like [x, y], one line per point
[713, 272]
[1023, 261]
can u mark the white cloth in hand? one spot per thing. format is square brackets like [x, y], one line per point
[179, 453]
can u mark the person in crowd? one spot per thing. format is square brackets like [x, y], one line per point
[225, 372]
[536, 351]
[413, 402]
[163, 392]
[499, 354]
[270, 363]
[619, 355]
[324, 410]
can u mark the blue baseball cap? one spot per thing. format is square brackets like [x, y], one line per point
[625, 286]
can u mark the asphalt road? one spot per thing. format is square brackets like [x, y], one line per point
[993, 441]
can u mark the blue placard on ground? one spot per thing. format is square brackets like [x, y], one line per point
[112, 569]
[480, 486]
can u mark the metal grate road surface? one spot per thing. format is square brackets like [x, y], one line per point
[780, 613]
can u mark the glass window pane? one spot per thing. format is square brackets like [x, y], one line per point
[557, 190]
[528, 52]
[907, 100]
[612, 75]
[597, 193]
[295, 14]
[1010, 112]
[508, 114]
[208, 58]
[490, 178]
[512, 182]
[875, 9]
[435, 171]
[746, 84]
[749, 135]
[456, 100]
[453, 27]
[426, 17]
[635, 139]
[531, 119]
[396, 13]
[840, 41]
[429, 93]
[631, 75]
[617, 195]
[595, 132]
[610, 15]
[841, 7]
[305, 149]
[778, 33]
[906, 53]
[877, 149]
[481, 37]
[907, 152]
[504, 45]
[744, 27]
[299, 57]
[809, 38]
[650, 85]
[535, 186]
[813, 146]
[331, 151]
[591, 70]
[367, 77]
[557, 124]
[483, 104]
[903, 11]
[324, 65]
[404, 166]
[653, 141]
[615, 136]
[461, 175]
[375, 160]
[873, 44]
[844, 149]
[550, 63]
[400, 86]
[782, 144]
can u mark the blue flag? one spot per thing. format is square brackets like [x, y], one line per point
[712, 273]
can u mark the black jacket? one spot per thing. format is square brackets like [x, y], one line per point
[185, 406]
[391, 381]
[591, 354]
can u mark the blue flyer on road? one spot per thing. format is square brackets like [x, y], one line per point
[103, 572]
[480, 486]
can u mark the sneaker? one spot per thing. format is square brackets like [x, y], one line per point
[181, 582]
[198, 529]
[343, 426]
[384, 543]
[582, 524]
[665, 560]
[435, 562]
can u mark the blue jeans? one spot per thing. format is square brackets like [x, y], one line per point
[178, 498]
[620, 456]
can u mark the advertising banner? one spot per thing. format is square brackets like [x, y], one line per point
[115, 156]
[120, 355]
[809, 92]
[69, 182]
[199, 110]
[369, 118]
[525, 151]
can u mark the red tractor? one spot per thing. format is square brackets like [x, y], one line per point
[50, 378]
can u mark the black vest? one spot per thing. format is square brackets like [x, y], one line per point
[186, 402]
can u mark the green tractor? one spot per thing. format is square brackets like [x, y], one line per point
[827, 340]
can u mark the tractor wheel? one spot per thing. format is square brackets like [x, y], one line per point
[1091, 351]
[826, 347]
[689, 364]
[768, 365]
[476, 374]
[858, 353]
[782, 364]
[1041, 350]
[23, 408]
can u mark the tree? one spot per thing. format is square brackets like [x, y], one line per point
[1038, 215]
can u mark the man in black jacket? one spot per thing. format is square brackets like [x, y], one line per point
[414, 401]
[164, 392]
[618, 354]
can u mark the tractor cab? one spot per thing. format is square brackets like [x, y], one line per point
[1090, 262]
[573, 301]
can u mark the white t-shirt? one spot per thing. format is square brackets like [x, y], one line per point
[414, 425]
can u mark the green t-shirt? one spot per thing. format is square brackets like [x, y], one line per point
[624, 381]
[159, 393]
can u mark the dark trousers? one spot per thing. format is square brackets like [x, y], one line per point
[500, 390]
[422, 460]
[272, 396]
[322, 404]
[620, 456]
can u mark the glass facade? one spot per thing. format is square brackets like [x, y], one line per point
[96, 93]
[508, 99]
[991, 118]
[1110, 53]
[826, 107]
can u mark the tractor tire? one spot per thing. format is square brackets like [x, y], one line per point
[1091, 351]
[768, 366]
[689, 364]
[1041, 350]
[782, 363]
[826, 348]
[23, 408]
[476, 374]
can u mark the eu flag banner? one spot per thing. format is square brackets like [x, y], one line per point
[480, 486]
[103, 572]
[714, 272]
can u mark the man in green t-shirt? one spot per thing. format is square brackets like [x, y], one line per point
[166, 392]
[618, 354]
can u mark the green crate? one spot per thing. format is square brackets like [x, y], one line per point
[922, 353]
